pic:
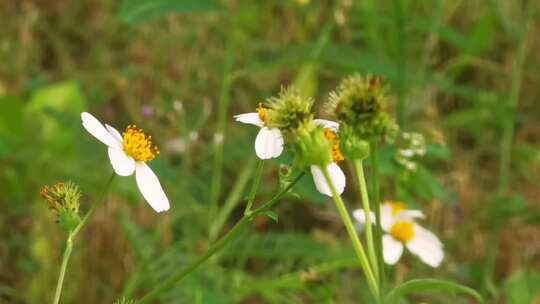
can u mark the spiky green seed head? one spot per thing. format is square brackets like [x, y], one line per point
[360, 103]
[64, 200]
[288, 110]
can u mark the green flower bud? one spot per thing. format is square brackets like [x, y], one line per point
[360, 103]
[288, 110]
[352, 145]
[64, 200]
[312, 147]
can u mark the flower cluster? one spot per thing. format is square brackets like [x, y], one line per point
[401, 230]
[64, 200]
[315, 142]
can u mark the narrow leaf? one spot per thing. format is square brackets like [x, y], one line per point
[138, 11]
[421, 285]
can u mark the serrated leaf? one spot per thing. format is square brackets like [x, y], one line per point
[138, 11]
[422, 285]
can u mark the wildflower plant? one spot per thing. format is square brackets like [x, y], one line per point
[320, 146]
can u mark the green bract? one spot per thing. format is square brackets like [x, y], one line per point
[312, 147]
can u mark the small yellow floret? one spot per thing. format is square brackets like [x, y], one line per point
[262, 112]
[397, 207]
[332, 137]
[402, 231]
[138, 145]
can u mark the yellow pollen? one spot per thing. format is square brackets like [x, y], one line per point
[402, 231]
[332, 137]
[138, 145]
[262, 112]
[397, 207]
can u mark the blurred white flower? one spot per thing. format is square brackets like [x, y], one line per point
[402, 231]
[128, 154]
[269, 141]
[336, 174]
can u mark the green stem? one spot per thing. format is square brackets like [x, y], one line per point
[254, 187]
[367, 212]
[512, 104]
[71, 237]
[217, 163]
[93, 208]
[233, 232]
[374, 151]
[65, 259]
[357, 245]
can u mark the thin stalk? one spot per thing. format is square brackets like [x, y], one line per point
[71, 237]
[65, 260]
[513, 100]
[357, 245]
[374, 152]
[358, 166]
[254, 187]
[399, 18]
[233, 232]
[232, 200]
[217, 163]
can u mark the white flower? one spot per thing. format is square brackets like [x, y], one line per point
[269, 141]
[336, 175]
[129, 154]
[402, 231]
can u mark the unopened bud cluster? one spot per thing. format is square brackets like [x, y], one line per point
[64, 200]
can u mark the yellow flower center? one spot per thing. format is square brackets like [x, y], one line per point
[332, 137]
[402, 231]
[262, 112]
[138, 145]
[397, 207]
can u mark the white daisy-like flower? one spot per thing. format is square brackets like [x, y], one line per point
[128, 154]
[336, 174]
[269, 141]
[402, 231]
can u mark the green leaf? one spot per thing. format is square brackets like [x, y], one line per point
[421, 285]
[522, 287]
[271, 214]
[139, 11]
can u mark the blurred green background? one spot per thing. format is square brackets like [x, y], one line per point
[463, 73]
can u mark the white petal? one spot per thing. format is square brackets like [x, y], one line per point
[334, 126]
[94, 127]
[360, 216]
[336, 175]
[249, 118]
[123, 164]
[387, 218]
[410, 215]
[269, 143]
[150, 187]
[392, 249]
[115, 133]
[426, 246]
